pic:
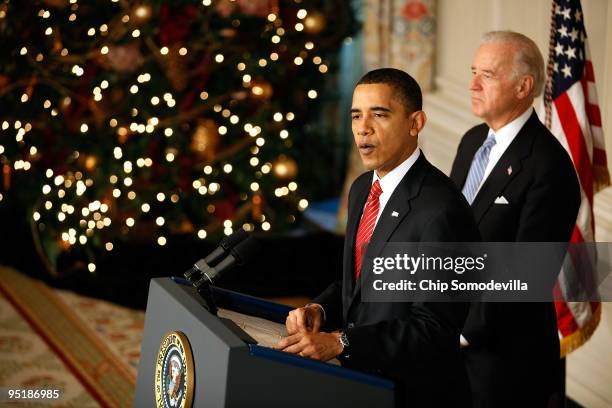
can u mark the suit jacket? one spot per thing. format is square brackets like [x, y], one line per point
[414, 344]
[513, 358]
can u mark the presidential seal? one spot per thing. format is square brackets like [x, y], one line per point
[174, 372]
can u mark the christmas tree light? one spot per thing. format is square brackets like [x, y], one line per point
[125, 121]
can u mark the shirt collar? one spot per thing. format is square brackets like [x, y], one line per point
[390, 181]
[506, 134]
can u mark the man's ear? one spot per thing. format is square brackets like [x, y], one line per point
[418, 122]
[525, 87]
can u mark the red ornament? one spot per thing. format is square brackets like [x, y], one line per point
[414, 10]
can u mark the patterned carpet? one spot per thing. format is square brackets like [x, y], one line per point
[49, 338]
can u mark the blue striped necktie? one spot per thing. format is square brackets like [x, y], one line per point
[477, 169]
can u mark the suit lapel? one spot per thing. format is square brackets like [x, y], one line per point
[352, 224]
[506, 169]
[399, 203]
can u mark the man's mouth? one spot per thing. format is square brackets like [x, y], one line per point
[366, 148]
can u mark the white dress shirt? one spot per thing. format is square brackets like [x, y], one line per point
[503, 137]
[392, 179]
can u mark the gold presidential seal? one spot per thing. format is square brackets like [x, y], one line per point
[174, 372]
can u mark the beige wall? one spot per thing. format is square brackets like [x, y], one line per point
[460, 25]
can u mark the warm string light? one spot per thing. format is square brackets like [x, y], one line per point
[71, 186]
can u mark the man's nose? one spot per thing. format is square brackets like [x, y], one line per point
[363, 127]
[475, 83]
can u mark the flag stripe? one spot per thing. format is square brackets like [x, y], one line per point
[576, 143]
[565, 320]
[589, 74]
[593, 114]
[599, 157]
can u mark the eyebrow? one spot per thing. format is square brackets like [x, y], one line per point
[373, 108]
[488, 71]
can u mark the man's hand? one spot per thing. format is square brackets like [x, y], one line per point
[319, 346]
[303, 319]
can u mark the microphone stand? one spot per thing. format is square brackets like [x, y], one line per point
[206, 292]
[203, 286]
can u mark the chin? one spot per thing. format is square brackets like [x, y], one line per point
[368, 164]
[477, 111]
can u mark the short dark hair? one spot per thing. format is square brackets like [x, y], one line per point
[405, 86]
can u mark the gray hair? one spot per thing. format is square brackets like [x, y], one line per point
[528, 59]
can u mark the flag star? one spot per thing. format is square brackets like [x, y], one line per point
[567, 71]
[563, 31]
[574, 34]
[557, 9]
[556, 67]
[566, 13]
[578, 15]
[571, 53]
[559, 49]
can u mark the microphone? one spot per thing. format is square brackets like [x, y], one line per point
[225, 246]
[241, 254]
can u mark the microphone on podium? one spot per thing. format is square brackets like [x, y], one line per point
[241, 254]
[241, 247]
[224, 247]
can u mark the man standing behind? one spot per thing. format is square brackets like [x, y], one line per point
[522, 187]
[402, 199]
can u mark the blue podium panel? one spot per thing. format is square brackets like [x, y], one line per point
[229, 370]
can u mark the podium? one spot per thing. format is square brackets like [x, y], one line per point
[229, 369]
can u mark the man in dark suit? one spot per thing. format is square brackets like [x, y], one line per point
[522, 187]
[403, 198]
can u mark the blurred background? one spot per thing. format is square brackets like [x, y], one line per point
[135, 135]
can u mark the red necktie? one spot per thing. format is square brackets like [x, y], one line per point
[366, 226]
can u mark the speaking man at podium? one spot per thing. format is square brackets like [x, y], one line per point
[403, 198]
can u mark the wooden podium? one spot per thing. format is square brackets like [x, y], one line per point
[229, 369]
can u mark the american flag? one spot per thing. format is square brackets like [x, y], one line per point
[573, 116]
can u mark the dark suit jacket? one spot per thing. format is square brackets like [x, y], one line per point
[513, 358]
[415, 344]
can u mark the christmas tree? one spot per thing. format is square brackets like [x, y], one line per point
[124, 120]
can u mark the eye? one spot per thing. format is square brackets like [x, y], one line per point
[355, 116]
[379, 115]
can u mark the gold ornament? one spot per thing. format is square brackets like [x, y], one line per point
[205, 140]
[314, 22]
[123, 134]
[141, 14]
[228, 32]
[261, 90]
[284, 168]
[88, 161]
[91, 162]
